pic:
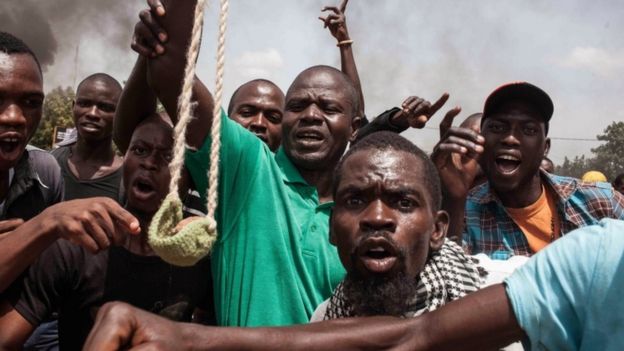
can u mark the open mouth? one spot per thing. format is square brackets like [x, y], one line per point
[378, 255]
[507, 164]
[143, 188]
[311, 136]
[10, 142]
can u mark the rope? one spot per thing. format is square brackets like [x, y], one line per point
[213, 172]
[195, 239]
[185, 110]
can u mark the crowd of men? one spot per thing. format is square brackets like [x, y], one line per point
[334, 232]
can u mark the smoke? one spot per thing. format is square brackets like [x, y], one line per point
[73, 38]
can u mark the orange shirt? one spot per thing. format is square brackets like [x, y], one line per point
[536, 221]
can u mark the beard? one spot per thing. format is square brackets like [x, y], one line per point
[379, 296]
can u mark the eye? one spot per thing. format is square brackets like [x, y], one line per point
[295, 106]
[530, 130]
[246, 112]
[33, 102]
[354, 202]
[138, 150]
[83, 103]
[274, 118]
[406, 203]
[167, 156]
[496, 127]
[108, 108]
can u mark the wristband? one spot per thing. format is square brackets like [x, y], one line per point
[345, 42]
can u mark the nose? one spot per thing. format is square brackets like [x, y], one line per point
[511, 139]
[150, 162]
[93, 112]
[13, 116]
[258, 123]
[312, 115]
[377, 217]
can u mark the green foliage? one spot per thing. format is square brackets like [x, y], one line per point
[608, 158]
[57, 112]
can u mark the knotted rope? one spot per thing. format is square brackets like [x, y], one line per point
[193, 241]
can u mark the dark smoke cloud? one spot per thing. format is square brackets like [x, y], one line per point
[43, 24]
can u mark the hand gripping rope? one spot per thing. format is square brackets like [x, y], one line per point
[193, 241]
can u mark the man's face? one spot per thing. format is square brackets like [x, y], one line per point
[259, 107]
[318, 120]
[94, 109]
[515, 143]
[146, 166]
[21, 101]
[383, 222]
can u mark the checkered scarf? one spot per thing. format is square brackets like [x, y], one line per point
[449, 274]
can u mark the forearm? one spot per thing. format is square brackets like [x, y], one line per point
[137, 102]
[456, 209]
[348, 67]
[166, 73]
[21, 247]
[378, 333]
[381, 123]
[480, 321]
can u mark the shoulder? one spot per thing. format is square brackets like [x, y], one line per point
[45, 166]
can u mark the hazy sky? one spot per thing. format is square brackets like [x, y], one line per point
[573, 49]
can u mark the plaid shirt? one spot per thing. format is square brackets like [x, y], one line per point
[489, 229]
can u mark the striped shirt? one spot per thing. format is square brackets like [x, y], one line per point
[489, 229]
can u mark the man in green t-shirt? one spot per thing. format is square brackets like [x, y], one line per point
[272, 263]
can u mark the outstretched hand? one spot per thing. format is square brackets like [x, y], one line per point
[415, 111]
[456, 156]
[336, 21]
[93, 223]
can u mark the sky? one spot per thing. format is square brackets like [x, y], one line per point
[573, 49]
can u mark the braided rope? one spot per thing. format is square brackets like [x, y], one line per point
[213, 172]
[185, 108]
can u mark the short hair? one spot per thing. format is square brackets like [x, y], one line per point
[352, 92]
[10, 44]
[619, 179]
[385, 140]
[103, 77]
[258, 80]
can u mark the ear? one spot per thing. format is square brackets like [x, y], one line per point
[73, 103]
[439, 231]
[547, 148]
[356, 123]
[332, 236]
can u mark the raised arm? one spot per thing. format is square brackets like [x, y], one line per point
[337, 24]
[137, 102]
[163, 35]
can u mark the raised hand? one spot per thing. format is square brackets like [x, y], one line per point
[416, 111]
[336, 21]
[93, 223]
[149, 36]
[456, 156]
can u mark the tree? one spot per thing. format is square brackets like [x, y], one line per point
[57, 112]
[608, 158]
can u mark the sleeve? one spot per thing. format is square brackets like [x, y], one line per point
[242, 157]
[618, 205]
[550, 293]
[38, 293]
[380, 123]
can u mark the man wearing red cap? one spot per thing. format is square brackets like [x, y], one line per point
[521, 209]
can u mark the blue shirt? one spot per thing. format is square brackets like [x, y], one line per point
[569, 296]
[490, 230]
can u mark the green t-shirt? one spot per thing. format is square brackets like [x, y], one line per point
[272, 263]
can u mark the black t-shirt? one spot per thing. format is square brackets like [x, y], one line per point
[108, 185]
[71, 280]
